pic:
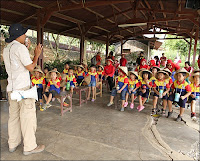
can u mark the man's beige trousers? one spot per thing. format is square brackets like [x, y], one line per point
[22, 123]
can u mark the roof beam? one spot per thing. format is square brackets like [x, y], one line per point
[87, 5]
[138, 20]
[185, 12]
[162, 8]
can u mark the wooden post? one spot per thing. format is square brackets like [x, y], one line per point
[148, 56]
[190, 49]
[195, 46]
[82, 41]
[107, 46]
[82, 46]
[39, 38]
[121, 46]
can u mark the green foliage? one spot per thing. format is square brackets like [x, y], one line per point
[3, 31]
[3, 73]
[60, 64]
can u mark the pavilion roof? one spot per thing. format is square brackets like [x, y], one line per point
[100, 19]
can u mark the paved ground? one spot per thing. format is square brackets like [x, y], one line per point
[97, 132]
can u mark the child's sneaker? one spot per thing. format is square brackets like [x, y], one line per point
[163, 112]
[169, 114]
[110, 104]
[176, 105]
[125, 104]
[131, 106]
[193, 115]
[48, 105]
[179, 118]
[141, 108]
[65, 104]
[161, 102]
[44, 107]
[122, 109]
[147, 100]
[138, 107]
[153, 112]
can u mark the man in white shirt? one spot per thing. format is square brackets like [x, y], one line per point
[22, 115]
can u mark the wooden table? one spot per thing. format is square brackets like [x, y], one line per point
[62, 97]
[81, 89]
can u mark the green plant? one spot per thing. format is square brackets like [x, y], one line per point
[3, 73]
[60, 64]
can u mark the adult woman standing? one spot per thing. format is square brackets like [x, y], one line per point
[109, 70]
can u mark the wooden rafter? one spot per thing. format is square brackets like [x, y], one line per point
[162, 8]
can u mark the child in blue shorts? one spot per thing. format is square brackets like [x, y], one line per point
[180, 92]
[145, 86]
[161, 88]
[133, 85]
[121, 86]
[93, 74]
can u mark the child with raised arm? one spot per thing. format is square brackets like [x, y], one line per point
[121, 86]
[161, 88]
[195, 88]
[52, 89]
[145, 86]
[180, 92]
[133, 85]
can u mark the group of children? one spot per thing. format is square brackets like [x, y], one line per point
[159, 82]
[140, 83]
[49, 83]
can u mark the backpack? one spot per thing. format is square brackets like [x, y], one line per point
[93, 60]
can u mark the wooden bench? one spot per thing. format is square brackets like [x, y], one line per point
[99, 84]
[81, 89]
[62, 97]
